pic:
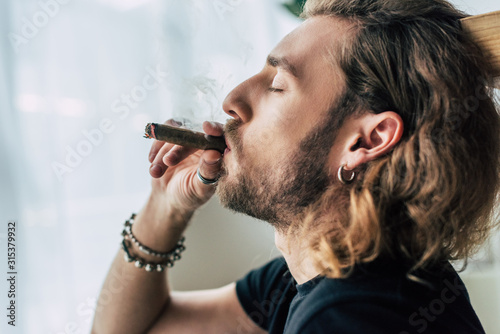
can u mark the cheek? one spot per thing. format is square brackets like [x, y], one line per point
[266, 142]
[301, 114]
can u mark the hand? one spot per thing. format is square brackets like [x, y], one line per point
[174, 167]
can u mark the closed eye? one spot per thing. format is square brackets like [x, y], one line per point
[274, 90]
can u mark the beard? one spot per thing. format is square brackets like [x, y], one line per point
[280, 192]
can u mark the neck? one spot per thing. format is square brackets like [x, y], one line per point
[297, 257]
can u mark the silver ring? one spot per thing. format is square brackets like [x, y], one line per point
[203, 180]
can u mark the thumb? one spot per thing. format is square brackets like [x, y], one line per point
[210, 165]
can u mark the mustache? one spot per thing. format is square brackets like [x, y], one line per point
[231, 133]
[232, 125]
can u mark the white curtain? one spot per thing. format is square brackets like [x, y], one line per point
[78, 82]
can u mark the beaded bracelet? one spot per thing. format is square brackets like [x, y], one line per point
[179, 248]
[169, 257]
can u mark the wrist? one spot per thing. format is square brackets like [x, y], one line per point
[159, 226]
[161, 211]
[145, 257]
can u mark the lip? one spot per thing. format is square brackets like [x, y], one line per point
[228, 146]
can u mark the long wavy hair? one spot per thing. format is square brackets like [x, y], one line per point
[433, 197]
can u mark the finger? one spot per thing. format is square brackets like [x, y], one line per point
[157, 144]
[158, 167]
[210, 164]
[177, 154]
[155, 148]
[213, 128]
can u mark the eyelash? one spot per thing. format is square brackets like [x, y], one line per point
[274, 90]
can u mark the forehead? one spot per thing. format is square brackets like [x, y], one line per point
[310, 47]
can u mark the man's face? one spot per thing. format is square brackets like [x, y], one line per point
[281, 136]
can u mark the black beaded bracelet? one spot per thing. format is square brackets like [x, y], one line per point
[179, 248]
[169, 257]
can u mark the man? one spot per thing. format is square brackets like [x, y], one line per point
[370, 142]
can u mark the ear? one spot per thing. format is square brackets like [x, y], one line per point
[373, 136]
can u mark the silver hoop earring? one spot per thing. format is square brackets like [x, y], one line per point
[340, 175]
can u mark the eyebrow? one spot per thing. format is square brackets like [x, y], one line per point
[283, 63]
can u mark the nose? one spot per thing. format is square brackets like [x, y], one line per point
[237, 103]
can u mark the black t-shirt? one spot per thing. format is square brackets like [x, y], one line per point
[376, 298]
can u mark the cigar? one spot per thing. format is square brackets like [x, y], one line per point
[184, 137]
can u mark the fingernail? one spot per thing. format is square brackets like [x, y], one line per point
[151, 157]
[211, 163]
[171, 156]
[156, 169]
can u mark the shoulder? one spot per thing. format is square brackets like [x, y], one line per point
[387, 303]
[266, 292]
[263, 280]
